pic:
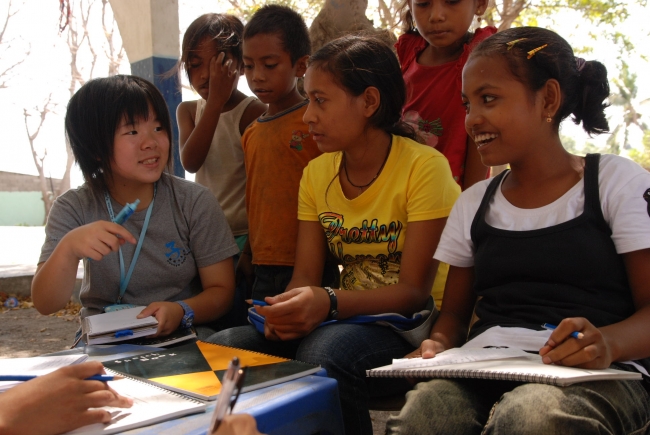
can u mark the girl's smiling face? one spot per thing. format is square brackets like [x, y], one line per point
[503, 117]
[140, 151]
[336, 119]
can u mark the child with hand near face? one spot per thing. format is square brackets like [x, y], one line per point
[432, 52]
[277, 146]
[559, 239]
[173, 254]
[211, 128]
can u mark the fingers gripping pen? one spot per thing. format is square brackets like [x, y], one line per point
[126, 212]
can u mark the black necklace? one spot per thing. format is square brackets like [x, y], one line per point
[345, 169]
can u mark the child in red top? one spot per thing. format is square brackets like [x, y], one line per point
[432, 52]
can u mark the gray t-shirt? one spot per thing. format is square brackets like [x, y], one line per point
[187, 231]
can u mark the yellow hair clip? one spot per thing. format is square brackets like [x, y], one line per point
[534, 51]
[512, 43]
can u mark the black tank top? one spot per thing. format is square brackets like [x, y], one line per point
[526, 278]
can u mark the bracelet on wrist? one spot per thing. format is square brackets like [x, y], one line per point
[333, 312]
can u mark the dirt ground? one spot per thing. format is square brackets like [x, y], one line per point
[24, 332]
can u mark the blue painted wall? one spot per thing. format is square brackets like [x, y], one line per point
[155, 70]
[21, 208]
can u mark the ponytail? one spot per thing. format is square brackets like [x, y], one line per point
[593, 89]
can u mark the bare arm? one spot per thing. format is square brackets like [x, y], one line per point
[214, 301]
[450, 329]
[310, 255]
[54, 279]
[195, 139]
[417, 272]
[628, 344]
[622, 341]
[218, 291]
[297, 312]
[475, 170]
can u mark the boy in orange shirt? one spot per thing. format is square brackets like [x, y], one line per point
[277, 147]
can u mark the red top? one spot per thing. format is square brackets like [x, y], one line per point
[433, 102]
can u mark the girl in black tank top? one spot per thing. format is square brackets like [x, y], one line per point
[518, 86]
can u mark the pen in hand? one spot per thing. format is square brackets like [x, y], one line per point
[574, 334]
[228, 384]
[126, 212]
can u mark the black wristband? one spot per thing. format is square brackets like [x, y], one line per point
[333, 314]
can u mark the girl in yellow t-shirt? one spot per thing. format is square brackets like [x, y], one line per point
[376, 200]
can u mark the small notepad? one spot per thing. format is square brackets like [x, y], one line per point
[102, 328]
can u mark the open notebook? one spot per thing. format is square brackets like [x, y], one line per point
[151, 405]
[196, 369]
[486, 364]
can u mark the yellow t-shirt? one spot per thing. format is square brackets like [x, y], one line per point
[367, 233]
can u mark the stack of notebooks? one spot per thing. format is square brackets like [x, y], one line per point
[123, 326]
[117, 326]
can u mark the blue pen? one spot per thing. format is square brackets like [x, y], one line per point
[574, 334]
[22, 378]
[126, 212]
[260, 303]
[123, 333]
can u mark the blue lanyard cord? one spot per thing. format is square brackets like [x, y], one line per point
[124, 281]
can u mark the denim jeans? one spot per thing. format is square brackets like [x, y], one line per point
[273, 280]
[346, 352]
[477, 406]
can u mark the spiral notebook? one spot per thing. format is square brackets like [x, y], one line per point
[525, 368]
[196, 369]
[151, 404]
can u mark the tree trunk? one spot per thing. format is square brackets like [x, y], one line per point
[48, 195]
[343, 17]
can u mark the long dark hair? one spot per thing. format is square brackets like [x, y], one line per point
[358, 62]
[583, 83]
[95, 112]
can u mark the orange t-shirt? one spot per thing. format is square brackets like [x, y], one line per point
[276, 150]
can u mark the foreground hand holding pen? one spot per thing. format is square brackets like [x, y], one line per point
[58, 402]
[231, 384]
[576, 342]
[237, 424]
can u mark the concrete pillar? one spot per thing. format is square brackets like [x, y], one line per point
[150, 35]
